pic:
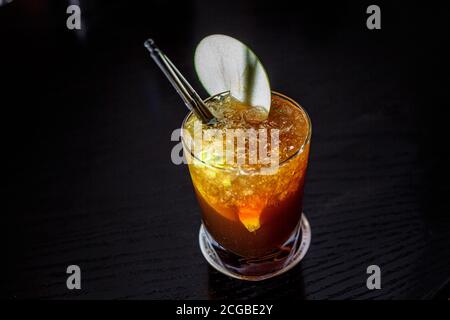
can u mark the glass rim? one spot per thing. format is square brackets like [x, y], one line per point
[299, 150]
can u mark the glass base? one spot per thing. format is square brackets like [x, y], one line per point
[256, 269]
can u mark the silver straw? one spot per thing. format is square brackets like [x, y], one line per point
[184, 89]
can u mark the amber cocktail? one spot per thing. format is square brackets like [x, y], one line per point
[253, 227]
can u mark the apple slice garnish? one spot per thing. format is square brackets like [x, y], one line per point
[224, 64]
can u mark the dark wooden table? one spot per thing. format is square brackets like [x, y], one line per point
[89, 180]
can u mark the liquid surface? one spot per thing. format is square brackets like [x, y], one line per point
[288, 120]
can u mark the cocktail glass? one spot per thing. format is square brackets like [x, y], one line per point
[252, 227]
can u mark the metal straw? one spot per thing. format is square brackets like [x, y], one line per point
[184, 89]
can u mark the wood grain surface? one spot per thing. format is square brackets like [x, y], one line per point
[89, 179]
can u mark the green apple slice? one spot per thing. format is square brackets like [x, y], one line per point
[223, 64]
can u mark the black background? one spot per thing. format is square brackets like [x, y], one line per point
[87, 119]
